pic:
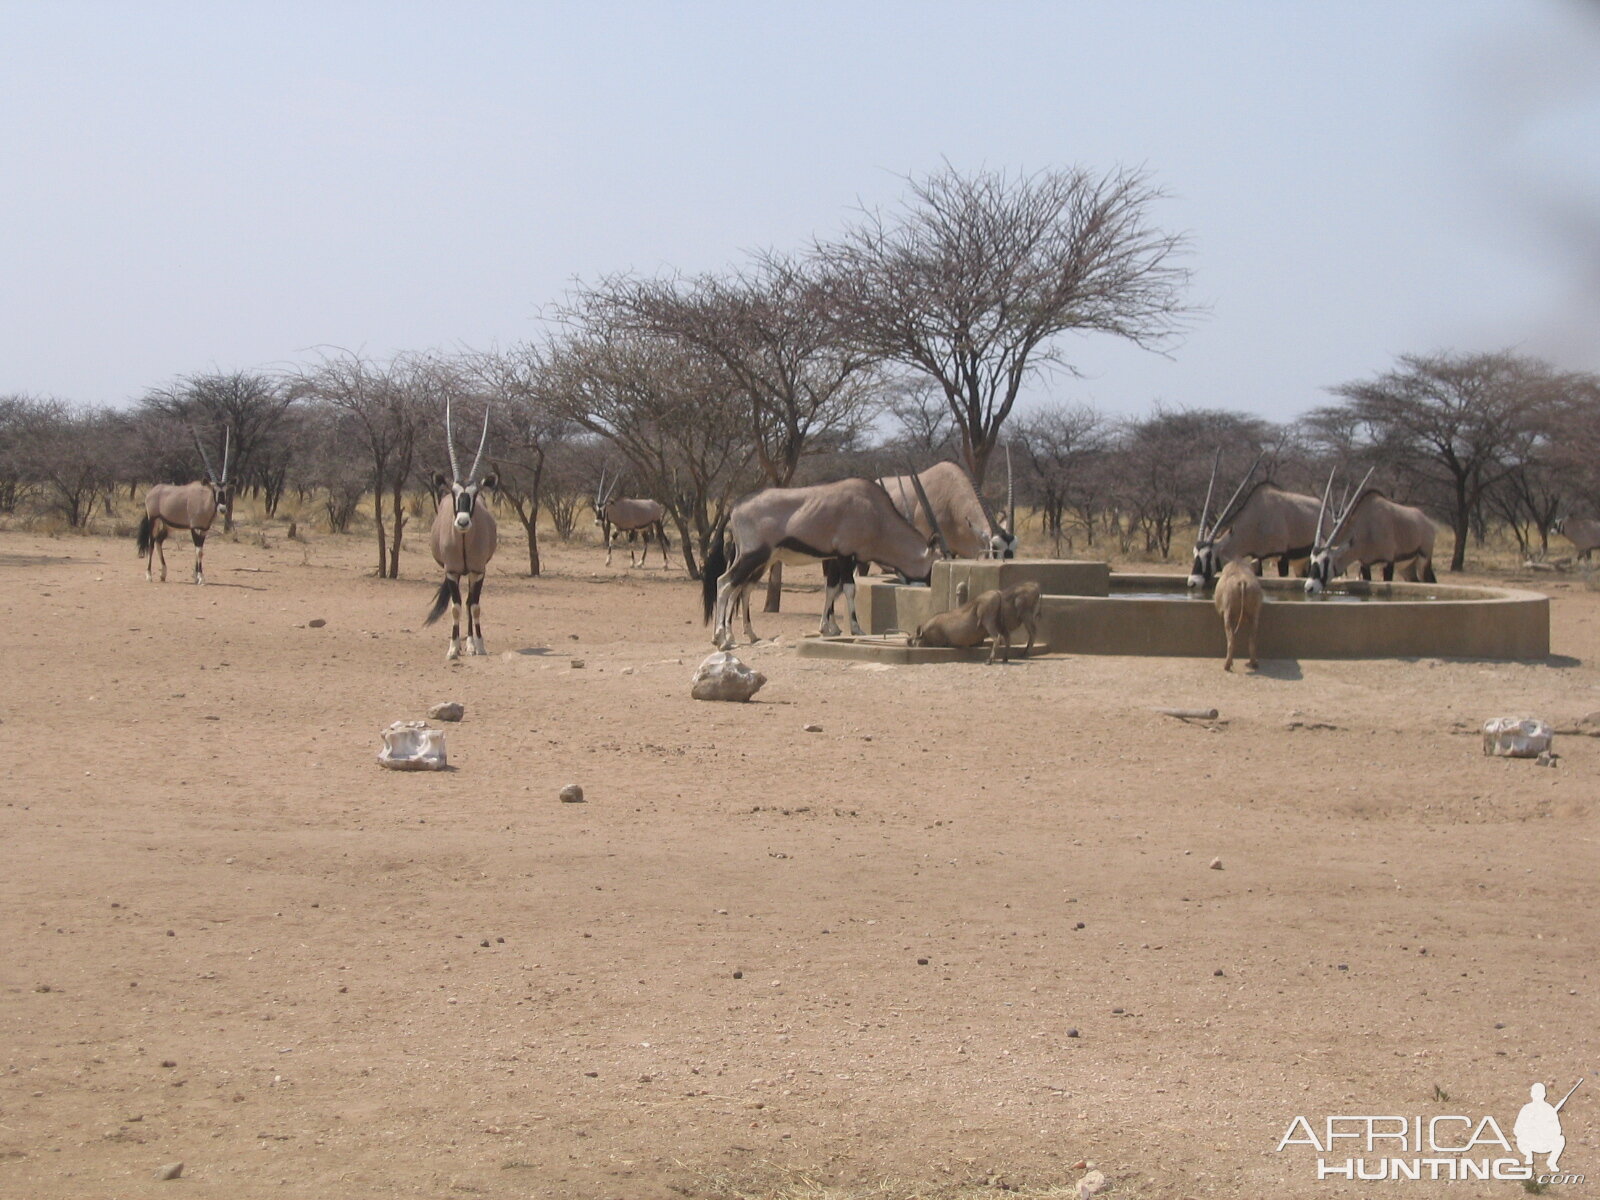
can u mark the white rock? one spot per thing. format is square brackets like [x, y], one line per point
[723, 677]
[413, 746]
[1517, 737]
[450, 710]
[1091, 1183]
[572, 794]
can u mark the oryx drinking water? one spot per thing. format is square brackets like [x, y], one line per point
[968, 523]
[641, 520]
[1368, 531]
[191, 506]
[1266, 523]
[838, 524]
[463, 542]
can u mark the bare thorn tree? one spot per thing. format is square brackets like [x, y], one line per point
[977, 277]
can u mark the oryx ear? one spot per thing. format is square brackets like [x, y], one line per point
[491, 482]
[440, 484]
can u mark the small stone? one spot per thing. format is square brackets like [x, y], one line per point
[317, 623]
[1217, 972]
[572, 794]
[577, 664]
[922, 962]
[1546, 759]
[1073, 1032]
[738, 974]
[170, 1171]
[450, 710]
[813, 728]
[1215, 864]
[167, 1062]
[1091, 1183]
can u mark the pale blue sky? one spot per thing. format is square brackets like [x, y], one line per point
[187, 187]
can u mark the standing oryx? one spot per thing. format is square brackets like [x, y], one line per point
[1267, 523]
[968, 523]
[463, 542]
[839, 524]
[1581, 532]
[639, 519]
[191, 506]
[1372, 529]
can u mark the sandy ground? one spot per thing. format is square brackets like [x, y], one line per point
[965, 937]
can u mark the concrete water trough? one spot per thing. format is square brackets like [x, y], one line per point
[1089, 609]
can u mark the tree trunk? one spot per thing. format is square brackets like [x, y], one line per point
[399, 526]
[1460, 522]
[383, 539]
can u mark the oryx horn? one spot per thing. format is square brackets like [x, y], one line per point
[483, 440]
[600, 490]
[1227, 509]
[227, 444]
[988, 513]
[1355, 499]
[1205, 509]
[204, 457]
[450, 441]
[922, 498]
[1316, 542]
[1011, 493]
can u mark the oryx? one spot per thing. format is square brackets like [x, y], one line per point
[969, 524]
[463, 542]
[1262, 523]
[1369, 530]
[838, 524]
[1580, 531]
[641, 520]
[191, 506]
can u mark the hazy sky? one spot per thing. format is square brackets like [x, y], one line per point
[224, 185]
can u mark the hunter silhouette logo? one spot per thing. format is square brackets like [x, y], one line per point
[1453, 1147]
[1538, 1127]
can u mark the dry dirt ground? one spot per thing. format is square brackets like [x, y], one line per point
[965, 937]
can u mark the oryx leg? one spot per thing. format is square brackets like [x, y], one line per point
[847, 579]
[732, 589]
[453, 583]
[159, 538]
[1283, 567]
[638, 547]
[474, 614]
[199, 536]
[605, 531]
[833, 573]
[1366, 573]
[1388, 572]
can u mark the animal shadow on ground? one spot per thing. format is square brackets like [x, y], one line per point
[1280, 668]
[534, 650]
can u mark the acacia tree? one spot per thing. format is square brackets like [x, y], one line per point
[390, 403]
[1059, 449]
[1453, 423]
[674, 415]
[977, 277]
[770, 327]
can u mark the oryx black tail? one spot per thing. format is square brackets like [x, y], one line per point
[711, 571]
[441, 601]
[145, 536]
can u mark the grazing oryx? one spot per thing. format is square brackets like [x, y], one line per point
[191, 506]
[1372, 529]
[968, 523]
[463, 542]
[1580, 531]
[1266, 523]
[639, 519]
[840, 523]
[1238, 600]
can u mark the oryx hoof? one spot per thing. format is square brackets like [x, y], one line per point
[830, 630]
[453, 653]
[477, 647]
[856, 630]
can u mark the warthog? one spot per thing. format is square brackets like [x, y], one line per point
[994, 614]
[1238, 599]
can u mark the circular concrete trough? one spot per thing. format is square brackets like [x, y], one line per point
[1150, 614]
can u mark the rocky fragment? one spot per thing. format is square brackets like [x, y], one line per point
[723, 677]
